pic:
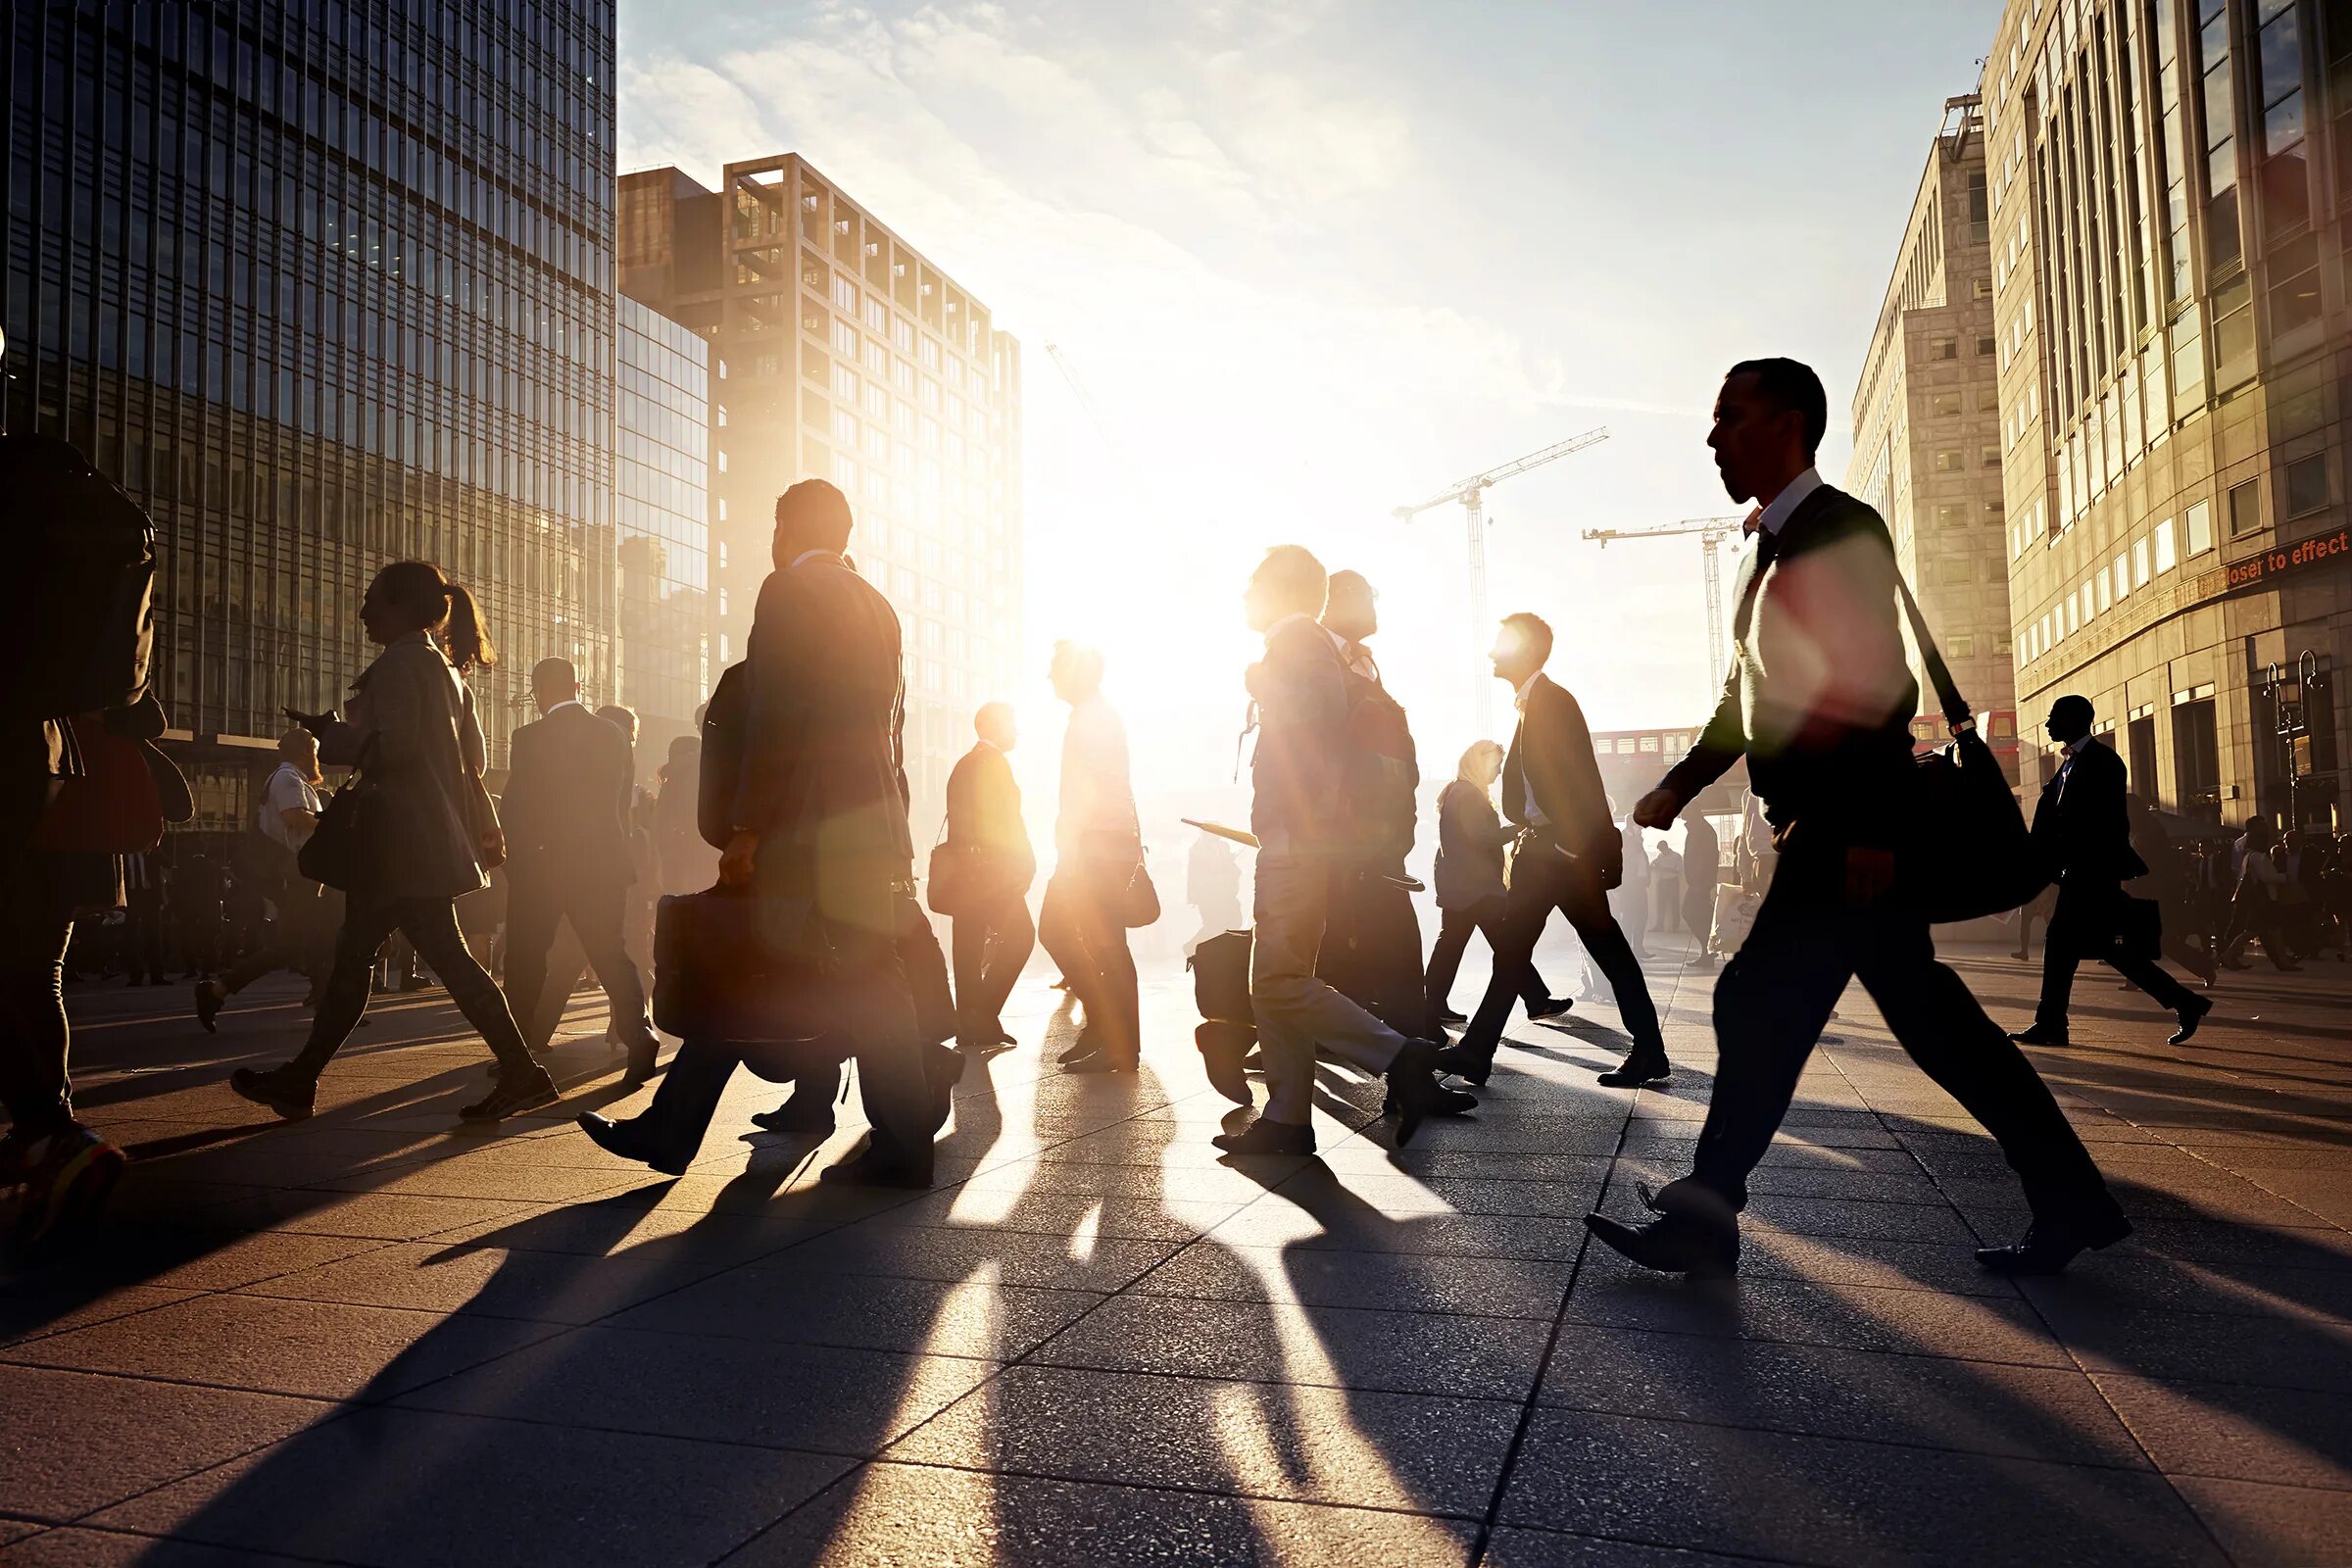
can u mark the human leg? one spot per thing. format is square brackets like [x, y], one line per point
[366, 925]
[534, 910]
[35, 1038]
[1939, 1022]
[1587, 910]
[1527, 908]
[1445, 956]
[431, 926]
[599, 916]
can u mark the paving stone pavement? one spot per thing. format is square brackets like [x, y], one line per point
[378, 1338]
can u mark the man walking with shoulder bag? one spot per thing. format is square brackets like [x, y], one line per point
[1819, 700]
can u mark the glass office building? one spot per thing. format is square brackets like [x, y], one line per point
[662, 395]
[325, 284]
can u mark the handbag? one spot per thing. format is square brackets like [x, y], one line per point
[1139, 903]
[948, 887]
[1970, 854]
[344, 849]
[111, 806]
[736, 967]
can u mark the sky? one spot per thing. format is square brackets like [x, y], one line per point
[1313, 260]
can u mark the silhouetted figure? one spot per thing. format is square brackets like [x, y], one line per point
[2255, 909]
[817, 836]
[1299, 782]
[1371, 951]
[1471, 840]
[412, 736]
[284, 822]
[645, 884]
[689, 864]
[1819, 700]
[1665, 889]
[568, 832]
[993, 934]
[2083, 838]
[1569, 856]
[1097, 848]
[143, 916]
[1702, 868]
[2170, 883]
[198, 905]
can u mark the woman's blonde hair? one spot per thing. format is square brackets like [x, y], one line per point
[1476, 750]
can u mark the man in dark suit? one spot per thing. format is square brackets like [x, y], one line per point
[1569, 856]
[2084, 836]
[565, 813]
[993, 934]
[1819, 700]
[818, 837]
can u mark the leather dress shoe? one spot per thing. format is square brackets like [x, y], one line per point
[1223, 1045]
[1448, 1016]
[803, 1113]
[1555, 1007]
[1638, 1069]
[1268, 1138]
[290, 1097]
[624, 1140]
[1414, 1092]
[645, 1063]
[523, 1088]
[2047, 1247]
[2190, 1016]
[1672, 1244]
[870, 1167]
[208, 997]
[2040, 1035]
[1472, 1066]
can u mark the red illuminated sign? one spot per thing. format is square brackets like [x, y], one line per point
[2304, 554]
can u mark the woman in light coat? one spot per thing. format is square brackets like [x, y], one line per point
[428, 834]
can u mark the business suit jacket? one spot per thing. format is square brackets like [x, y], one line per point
[2079, 827]
[1819, 698]
[822, 779]
[1550, 762]
[412, 731]
[566, 809]
[1300, 688]
[984, 813]
[1470, 843]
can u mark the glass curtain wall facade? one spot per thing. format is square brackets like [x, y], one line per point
[1927, 412]
[849, 356]
[662, 390]
[2170, 185]
[323, 284]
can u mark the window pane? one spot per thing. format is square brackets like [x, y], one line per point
[2305, 485]
[2199, 521]
[2283, 123]
[2245, 509]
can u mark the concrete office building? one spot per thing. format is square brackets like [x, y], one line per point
[323, 285]
[1927, 432]
[849, 356]
[2170, 183]
[662, 398]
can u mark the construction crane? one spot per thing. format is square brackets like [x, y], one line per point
[1470, 493]
[1712, 533]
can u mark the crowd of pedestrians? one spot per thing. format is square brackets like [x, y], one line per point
[797, 945]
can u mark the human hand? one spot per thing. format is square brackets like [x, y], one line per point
[741, 855]
[1657, 809]
[1869, 874]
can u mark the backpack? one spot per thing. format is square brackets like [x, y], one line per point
[1380, 774]
[86, 640]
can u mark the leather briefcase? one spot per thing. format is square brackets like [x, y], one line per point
[736, 967]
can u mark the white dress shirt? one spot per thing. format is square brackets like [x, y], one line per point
[1776, 515]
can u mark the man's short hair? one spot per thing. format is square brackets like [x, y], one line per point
[1081, 661]
[553, 672]
[620, 718]
[992, 716]
[2072, 707]
[1532, 630]
[815, 511]
[1790, 384]
[1295, 577]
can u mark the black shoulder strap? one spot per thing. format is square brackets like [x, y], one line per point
[1939, 674]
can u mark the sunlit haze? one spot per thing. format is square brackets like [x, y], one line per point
[1312, 261]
